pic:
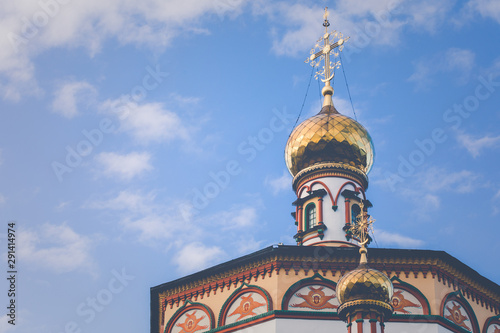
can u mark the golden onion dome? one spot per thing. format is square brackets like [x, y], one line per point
[365, 284]
[329, 137]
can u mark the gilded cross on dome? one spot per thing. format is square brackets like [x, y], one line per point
[324, 51]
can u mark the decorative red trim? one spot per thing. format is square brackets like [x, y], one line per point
[360, 326]
[299, 193]
[191, 307]
[309, 188]
[415, 293]
[347, 211]
[344, 176]
[236, 295]
[308, 238]
[326, 188]
[305, 283]
[301, 219]
[356, 188]
[491, 321]
[460, 299]
[247, 324]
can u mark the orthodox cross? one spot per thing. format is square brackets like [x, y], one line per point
[362, 227]
[324, 52]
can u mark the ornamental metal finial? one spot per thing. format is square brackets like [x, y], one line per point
[360, 230]
[326, 24]
[323, 52]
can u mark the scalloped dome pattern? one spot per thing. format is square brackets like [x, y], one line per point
[329, 137]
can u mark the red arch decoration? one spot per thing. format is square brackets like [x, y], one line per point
[458, 298]
[236, 294]
[360, 189]
[187, 307]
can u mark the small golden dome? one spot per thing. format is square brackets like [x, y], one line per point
[329, 137]
[365, 283]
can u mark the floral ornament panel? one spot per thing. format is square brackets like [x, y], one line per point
[192, 321]
[404, 302]
[455, 312]
[495, 328]
[314, 297]
[246, 306]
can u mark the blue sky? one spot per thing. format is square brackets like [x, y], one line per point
[136, 143]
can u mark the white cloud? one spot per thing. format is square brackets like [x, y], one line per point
[5, 326]
[497, 195]
[487, 8]
[427, 202]
[438, 179]
[425, 188]
[147, 122]
[496, 203]
[2, 199]
[62, 205]
[236, 218]
[141, 214]
[282, 183]
[196, 256]
[193, 241]
[245, 217]
[454, 60]
[248, 244]
[475, 146]
[188, 101]
[58, 248]
[366, 22]
[126, 200]
[88, 24]
[70, 95]
[125, 166]
[390, 238]
[149, 220]
[428, 14]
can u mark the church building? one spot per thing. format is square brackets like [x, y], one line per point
[330, 281]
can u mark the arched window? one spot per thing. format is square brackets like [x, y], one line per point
[355, 210]
[310, 216]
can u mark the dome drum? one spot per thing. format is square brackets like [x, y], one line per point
[350, 309]
[330, 170]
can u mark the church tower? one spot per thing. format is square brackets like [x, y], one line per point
[329, 155]
[329, 287]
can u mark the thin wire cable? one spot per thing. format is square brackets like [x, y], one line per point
[319, 90]
[347, 85]
[373, 237]
[303, 102]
